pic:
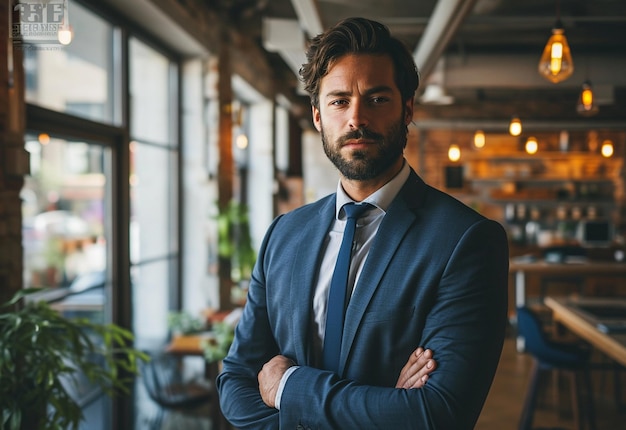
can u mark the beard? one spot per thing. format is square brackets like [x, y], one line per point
[363, 166]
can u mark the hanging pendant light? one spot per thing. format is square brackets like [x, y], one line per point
[65, 33]
[586, 101]
[607, 149]
[556, 64]
[531, 145]
[479, 139]
[454, 153]
[515, 126]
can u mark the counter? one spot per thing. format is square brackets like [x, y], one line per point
[577, 270]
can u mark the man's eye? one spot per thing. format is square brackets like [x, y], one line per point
[338, 102]
[378, 100]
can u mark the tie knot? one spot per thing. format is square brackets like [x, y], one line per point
[355, 210]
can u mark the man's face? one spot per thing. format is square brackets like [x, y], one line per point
[361, 117]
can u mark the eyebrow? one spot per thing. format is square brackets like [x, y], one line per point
[373, 90]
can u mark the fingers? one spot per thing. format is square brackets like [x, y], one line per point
[269, 378]
[415, 372]
[421, 371]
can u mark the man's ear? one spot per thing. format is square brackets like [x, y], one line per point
[317, 119]
[408, 111]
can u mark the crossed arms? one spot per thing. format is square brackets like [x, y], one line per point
[414, 374]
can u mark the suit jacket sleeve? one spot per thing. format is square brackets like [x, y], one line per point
[464, 326]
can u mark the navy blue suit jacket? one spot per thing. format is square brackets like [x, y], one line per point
[436, 276]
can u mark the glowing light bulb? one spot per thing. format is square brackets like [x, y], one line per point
[587, 97]
[556, 57]
[65, 35]
[242, 141]
[454, 153]
[531, 145]
[515, 127]
[607, 149]
[479, 139]
[586, 104]
[556, 62]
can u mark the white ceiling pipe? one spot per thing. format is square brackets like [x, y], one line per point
[445, 20]
[309, 16]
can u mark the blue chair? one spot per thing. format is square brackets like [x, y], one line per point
[549, 355]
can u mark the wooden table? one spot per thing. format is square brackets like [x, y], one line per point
[521, 268]
[188, 344]
[566, 313]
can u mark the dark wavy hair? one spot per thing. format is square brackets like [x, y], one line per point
[357, 36]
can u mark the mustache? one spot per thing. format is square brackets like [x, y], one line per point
[360, 133]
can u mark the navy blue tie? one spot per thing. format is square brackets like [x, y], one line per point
[338, 289]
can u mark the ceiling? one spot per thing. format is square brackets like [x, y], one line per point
[483, 54]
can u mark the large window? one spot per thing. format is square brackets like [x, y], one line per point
[154, 191]
[101, 226]
[79, 78]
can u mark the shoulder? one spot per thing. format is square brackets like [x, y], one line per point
[315, 209]
[425, 199]
[442, 212]
[294, 221]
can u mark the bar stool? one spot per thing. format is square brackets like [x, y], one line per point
[549, 355]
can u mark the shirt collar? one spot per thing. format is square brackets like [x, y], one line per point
[380, 198]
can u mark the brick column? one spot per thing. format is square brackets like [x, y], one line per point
[13, 159]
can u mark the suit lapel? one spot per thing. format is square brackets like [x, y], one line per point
[304, 276]
[399, 218]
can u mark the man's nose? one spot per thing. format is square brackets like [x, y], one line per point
[358, 115]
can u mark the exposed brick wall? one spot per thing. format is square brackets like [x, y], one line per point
[13, 159]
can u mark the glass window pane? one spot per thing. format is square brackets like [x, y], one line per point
[153, 202]
[64, 213]
[152, 283]
[150, 97]
[66, 238]
[77, 78]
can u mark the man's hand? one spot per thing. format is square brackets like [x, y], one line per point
[415, 372]
[270, 376]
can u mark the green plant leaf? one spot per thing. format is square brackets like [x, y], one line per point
[42, 353]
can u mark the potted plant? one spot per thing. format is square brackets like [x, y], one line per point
[43, 355]
[235, 241]
[216, 348]
[182, 322]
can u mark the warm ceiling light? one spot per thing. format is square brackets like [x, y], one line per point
[479, 139]
[241, 141]
[454, 153]
[515, 127]
[65, 32]
[65, 35]
[44, 138]
[607, 149]
[531, 145]
[556, 63]
[586, 102]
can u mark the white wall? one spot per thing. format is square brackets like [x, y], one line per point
[320, 176]
[260, 170]
[200, 289]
